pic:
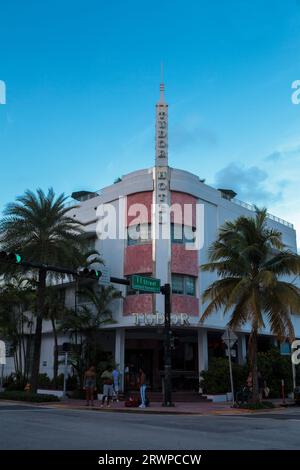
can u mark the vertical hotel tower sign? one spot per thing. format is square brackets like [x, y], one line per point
[161, 197]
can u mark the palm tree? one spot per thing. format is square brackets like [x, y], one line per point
[84, 322]
[55, 311]
[16, 300]
[38, 227]
[251, 262]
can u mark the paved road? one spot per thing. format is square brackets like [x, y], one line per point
[23, 427]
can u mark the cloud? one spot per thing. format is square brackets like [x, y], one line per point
[192, 132]
[274, 157]
[283, 154]
[182, 137]
[248, 182]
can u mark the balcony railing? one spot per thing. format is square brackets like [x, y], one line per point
[251, 207]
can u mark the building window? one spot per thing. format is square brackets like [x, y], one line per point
[182, 234]
[90, 244]
[185, 285]
[138, 234]
[178, 284]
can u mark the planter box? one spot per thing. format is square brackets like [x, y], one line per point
[57, 393]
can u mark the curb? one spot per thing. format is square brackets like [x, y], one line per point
[128, 410]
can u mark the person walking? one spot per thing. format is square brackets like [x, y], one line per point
[143, 386]
[116, 379]
[90, 385]
[107, 378]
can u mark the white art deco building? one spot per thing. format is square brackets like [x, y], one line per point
[136, 335]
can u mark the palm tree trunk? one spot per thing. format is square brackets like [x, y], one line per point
[55, 362]
[38, 331]
[253, 365]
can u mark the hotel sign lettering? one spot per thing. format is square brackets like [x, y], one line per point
[148, 319]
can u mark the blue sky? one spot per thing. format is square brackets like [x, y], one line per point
[83, 77]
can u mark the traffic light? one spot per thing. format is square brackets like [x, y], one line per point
[10, 257]
[90, 273]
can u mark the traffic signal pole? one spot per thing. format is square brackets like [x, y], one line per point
[165, 290]
[167, 398]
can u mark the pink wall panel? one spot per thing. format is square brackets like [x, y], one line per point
[185, 304]
[181, 199]
[138, 259]
[184, 261]
[144, 198]
[141, 303]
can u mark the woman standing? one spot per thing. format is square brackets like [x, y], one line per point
[143, 386]
[90, 385]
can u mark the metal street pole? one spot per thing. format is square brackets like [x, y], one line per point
[65, 376]
[294, 378]
[230, 371]
[166, 290]
[2, 374]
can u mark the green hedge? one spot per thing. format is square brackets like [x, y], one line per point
[26, 396]
[264, 405]
[216, 378]
[273, 366]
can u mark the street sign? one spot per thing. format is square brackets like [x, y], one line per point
[233, 352]
[148, 284]
[229, 338]
[105, 276]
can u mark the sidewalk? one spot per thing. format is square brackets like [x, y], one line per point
[200, 408]
[180, 408]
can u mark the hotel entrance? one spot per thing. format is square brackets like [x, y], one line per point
[144, 348]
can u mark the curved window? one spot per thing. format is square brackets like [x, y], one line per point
[182, 234]
[138, 234]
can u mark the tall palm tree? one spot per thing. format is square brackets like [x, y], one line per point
[55, 311]
[16, 300]
[83, 323]
[251, 262]
[38, 227]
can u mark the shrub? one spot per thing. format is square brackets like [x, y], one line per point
[72, 382]
[25, 396]
[274, 367]
[264, 405]
[217, 380]
[79, 394]
[44, 381]
[14, 382]
[59, 381]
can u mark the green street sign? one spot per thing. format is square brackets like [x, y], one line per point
[149, 284]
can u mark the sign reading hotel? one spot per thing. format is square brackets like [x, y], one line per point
[161, 157]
